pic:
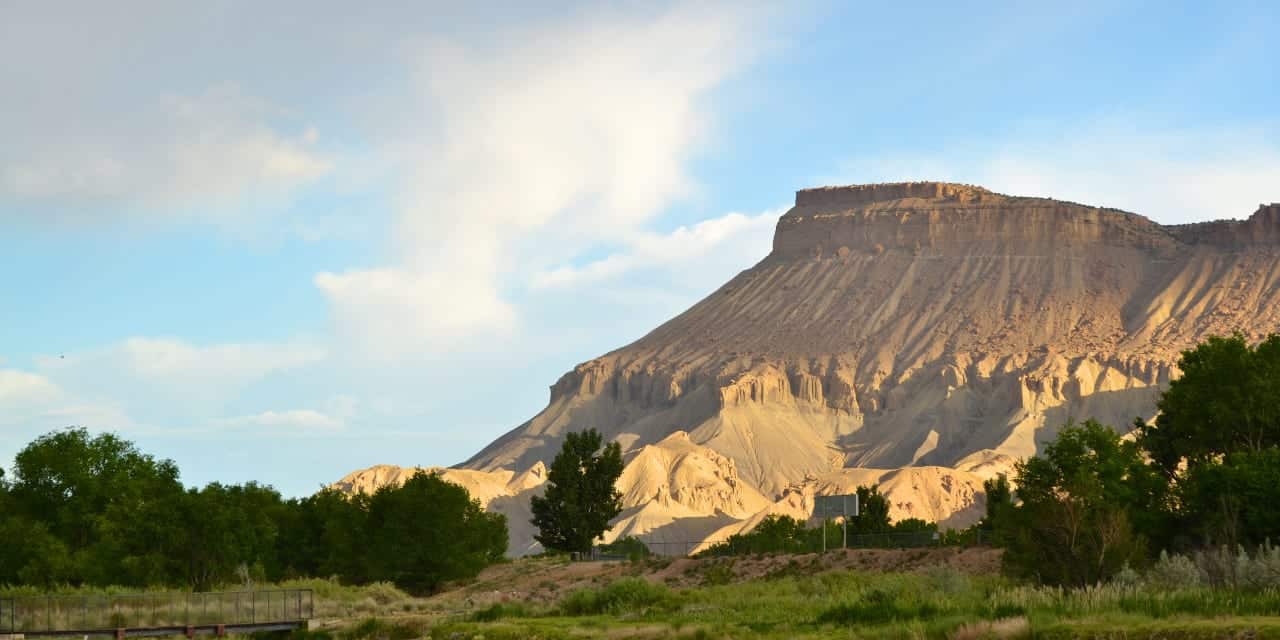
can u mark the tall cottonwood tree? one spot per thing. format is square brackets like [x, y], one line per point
[580, 499]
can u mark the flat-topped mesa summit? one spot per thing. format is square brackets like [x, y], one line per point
[922, 335]
[859, 194]
[941, 218]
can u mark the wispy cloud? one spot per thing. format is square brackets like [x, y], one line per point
[735, 233]
[208, 154]
[558, 139]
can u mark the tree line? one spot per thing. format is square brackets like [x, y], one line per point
[81, 509]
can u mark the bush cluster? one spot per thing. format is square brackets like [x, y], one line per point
[1219, 567]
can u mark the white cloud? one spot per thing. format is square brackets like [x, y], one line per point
[738, 234]
[532, 152]
[1170, 175]
[213, 153]
[390, 311]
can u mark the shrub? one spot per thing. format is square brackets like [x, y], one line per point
[385, 593]
[620, 596]
[1173, 572]
[877, 606]
[501, 610]
[1126, 577]
[1262, 569]
[1221, 568]
[718, 573]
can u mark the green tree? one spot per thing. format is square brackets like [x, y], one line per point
[1074, 524]
[873, 512]
[580, 497]
[999, 505]
[1227, 400]
[429, 532]
[999, 498]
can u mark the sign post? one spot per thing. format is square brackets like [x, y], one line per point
[841, 506]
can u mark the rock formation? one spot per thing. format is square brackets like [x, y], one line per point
[920, 335]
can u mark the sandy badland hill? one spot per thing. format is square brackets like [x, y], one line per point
[923, 336]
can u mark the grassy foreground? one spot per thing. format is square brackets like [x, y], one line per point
[718, 599]
[844, 604]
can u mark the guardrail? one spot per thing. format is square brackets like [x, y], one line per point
[156, 613]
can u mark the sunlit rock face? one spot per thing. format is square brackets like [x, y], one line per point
[924, 336]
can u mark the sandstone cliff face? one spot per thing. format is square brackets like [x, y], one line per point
[913, 326]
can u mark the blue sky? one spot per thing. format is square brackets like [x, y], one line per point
[282, 243]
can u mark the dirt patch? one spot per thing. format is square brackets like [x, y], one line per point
[540, 581]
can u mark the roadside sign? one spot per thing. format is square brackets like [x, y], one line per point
[842, 506]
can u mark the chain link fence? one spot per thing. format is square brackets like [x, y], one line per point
[76, 614]
[660, 546]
